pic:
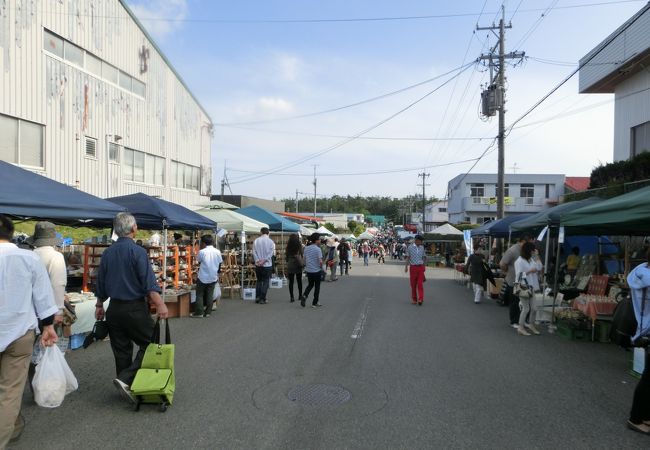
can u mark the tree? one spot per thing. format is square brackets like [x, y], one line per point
[352, 225]
[359, 229]
[330, 226]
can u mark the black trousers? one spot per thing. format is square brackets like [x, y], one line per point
[128, 323]
[262, 285]
[314, 282]
[641, 401]
[344, 263]
[204, 293]
[298, 278]
[512, 301]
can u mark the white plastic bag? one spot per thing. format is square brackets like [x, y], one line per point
[217, 292]
[53, 379]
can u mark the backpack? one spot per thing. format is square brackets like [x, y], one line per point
[624, 324]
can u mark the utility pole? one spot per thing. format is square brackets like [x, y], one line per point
[223, 181]
[315, 190]
[424, 198]
[493, 98]
[296, 201]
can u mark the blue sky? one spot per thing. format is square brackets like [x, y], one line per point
[245, 68]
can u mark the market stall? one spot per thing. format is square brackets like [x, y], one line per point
[153, 213]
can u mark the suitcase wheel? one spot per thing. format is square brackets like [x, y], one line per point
[136, 405]
[163, 407]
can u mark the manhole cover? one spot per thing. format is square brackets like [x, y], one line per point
[319, 395]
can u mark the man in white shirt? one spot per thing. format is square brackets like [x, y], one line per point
[44, 239]
[25, 296]
[210, 260]
[263, 252]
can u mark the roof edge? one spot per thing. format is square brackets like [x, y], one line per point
[162, 55]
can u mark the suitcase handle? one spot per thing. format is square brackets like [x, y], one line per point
[155, 337]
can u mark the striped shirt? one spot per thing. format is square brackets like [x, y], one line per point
[416, 255]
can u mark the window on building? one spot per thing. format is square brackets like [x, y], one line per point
[442, 210]
[159, 172]
[477, 190]
[113, 152]
[109, 72]
[127, 172]
[125, 80]
[138, 166]
[21, 142]
[91, 147]
[52, 43]
[138, 87]
[9, 141]
[93, 64]
[548, 191]
[527, 192]
[185, 176]
[73, 54]
[640, 139]
[31, 144]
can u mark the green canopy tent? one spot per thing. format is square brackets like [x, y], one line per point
[625, 215]
[551, 216]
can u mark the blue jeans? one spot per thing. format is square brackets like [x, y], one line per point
[262, 284]
[365, 259]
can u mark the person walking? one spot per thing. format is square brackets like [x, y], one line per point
[344, 256]
[263, 252]
[381, 259]
[415, 263]
[332, 258]
[209, 260]
[25, 297]
[295, 265]
[126, 276]
[365, 249]
[507, 265]
[639, 282]
[313, 267]
[527, 268]
[474, 267]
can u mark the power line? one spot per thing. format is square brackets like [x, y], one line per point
[361, 133]
[356, 174]
[568, 77]
[328, 20]
[339, 108]
[536, 24]
[370, 138]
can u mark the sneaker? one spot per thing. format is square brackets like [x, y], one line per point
[522, 332]
[302, 302]
[124, 390]
[214, 306]
[206, 315]
[195, 315]
[515, 326]
[532, 329]
[263, 302]
[317, 305]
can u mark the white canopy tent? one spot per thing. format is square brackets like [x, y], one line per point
[446, 230]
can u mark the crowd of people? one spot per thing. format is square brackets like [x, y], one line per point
[33, 310]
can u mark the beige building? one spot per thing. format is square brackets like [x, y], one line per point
[88, 99]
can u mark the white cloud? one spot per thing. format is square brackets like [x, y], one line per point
[160, 17]
[275, 104]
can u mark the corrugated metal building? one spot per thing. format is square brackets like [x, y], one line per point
[88, 99]
[621, 65]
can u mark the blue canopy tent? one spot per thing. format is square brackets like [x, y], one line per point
[275, 221]
[27, 195]
[498, 228]
[153, 213]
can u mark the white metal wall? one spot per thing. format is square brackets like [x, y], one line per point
[73, 103]
[631, 108]
[633, 41]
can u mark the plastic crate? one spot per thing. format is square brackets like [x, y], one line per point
[603, 329]
[565, 330]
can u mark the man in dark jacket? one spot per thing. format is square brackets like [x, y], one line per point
[344, 256]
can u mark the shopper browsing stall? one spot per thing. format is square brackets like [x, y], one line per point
[263, 253]
[639, 282]
[209, 263]
[527, 270]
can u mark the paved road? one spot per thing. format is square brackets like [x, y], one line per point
[448, 374]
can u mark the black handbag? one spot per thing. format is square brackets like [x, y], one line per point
[624, 324]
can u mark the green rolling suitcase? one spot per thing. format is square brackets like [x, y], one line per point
[155, 381]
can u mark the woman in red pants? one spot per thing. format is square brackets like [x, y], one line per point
[416, 259]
